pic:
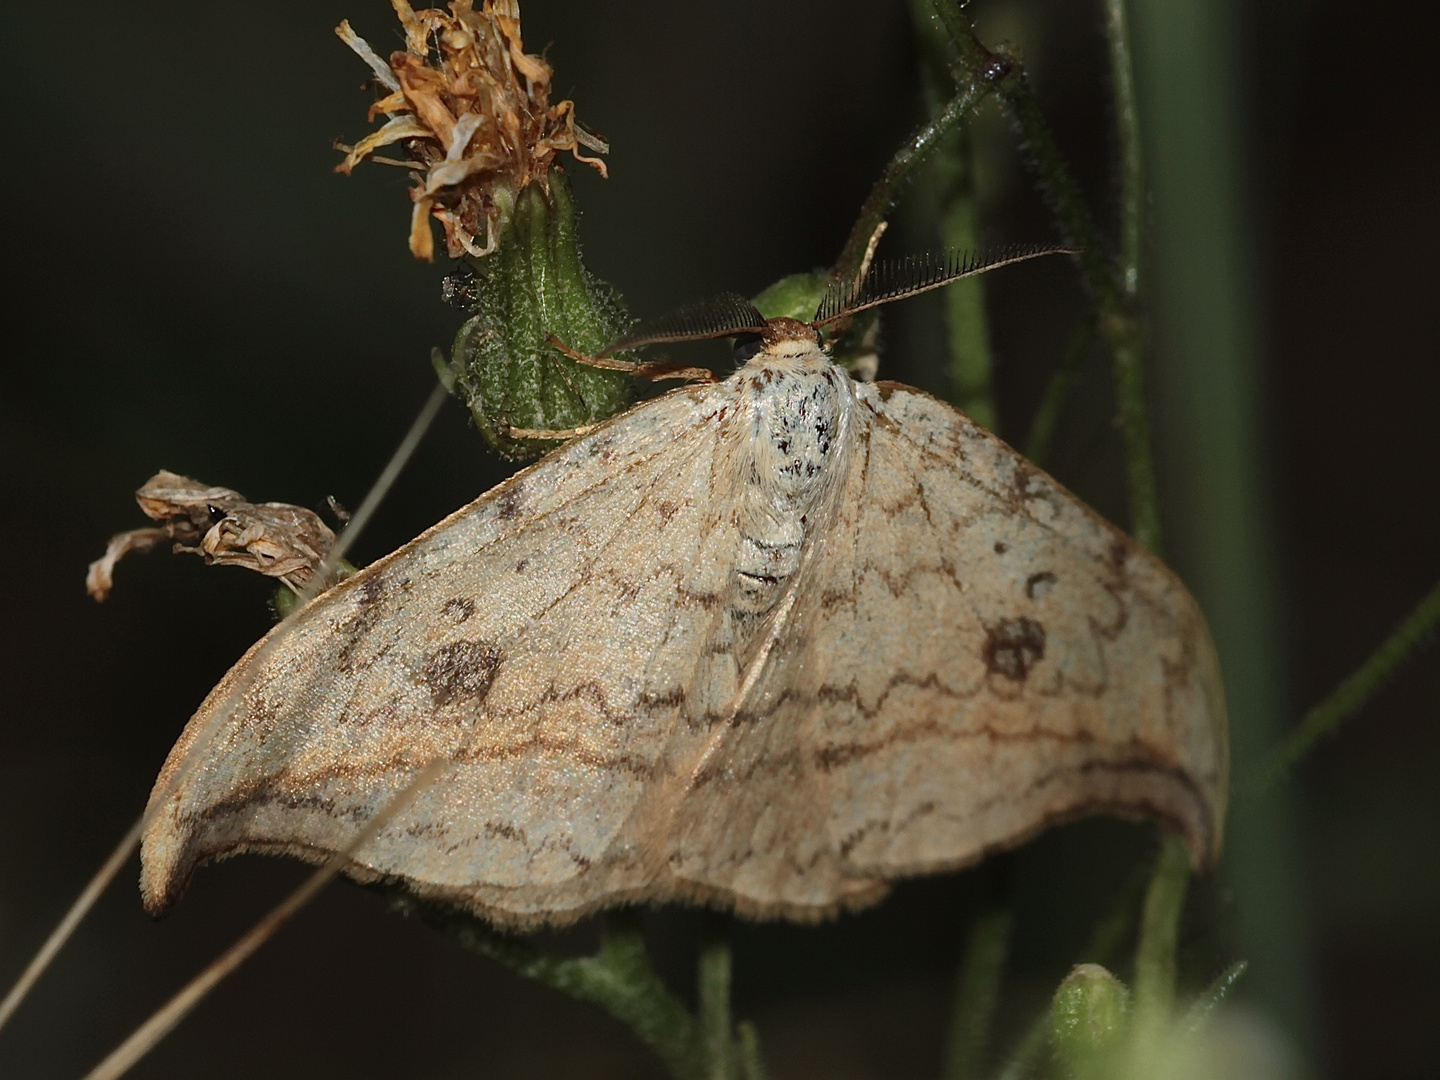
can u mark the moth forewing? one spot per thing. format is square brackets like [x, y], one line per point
[484, 628]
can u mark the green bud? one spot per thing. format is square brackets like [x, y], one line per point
[535, 285]
[1087, 1016]
[282, 602]
[793, 297]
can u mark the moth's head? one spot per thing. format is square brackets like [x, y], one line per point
[779, 341]
[789, 337]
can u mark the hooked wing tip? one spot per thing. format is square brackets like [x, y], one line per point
[161, 880]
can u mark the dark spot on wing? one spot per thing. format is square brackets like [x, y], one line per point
[1037, 585]
[1013, 647]
[462, 669]
[510, 501]
[369, 608]
[458, 608]
[1119, 552]
[1001, 547]
[1020, 481]
[371, 592]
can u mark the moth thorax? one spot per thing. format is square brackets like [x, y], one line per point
[797, 412]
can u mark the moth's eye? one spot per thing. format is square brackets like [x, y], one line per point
[216, 514]
[746, 346]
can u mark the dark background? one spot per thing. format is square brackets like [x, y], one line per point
[191, 287]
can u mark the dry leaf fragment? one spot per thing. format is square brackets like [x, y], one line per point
[274, 539]
[473, 110]
[769, 643]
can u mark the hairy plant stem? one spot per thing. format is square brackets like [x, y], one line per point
[1118, 317]
[882, 196]
[1002, 73]
[951, 174]
[1134, 420]
[1350, 695]
[713, 994]
[977, 992]
[1202, 1010]
[1127, 125]
[618, 978]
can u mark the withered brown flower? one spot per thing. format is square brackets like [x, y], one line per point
[473, 111]
[274, 539]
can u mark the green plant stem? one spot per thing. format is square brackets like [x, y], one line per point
[977, 993]
[952, 176]
[1201, 285]
[1047, 415]
[714, 1001]
[1134, 423]
[752, 1066]
[1003, 73]
[966, 323]
[618, 978]
[1351, 694]
[1159, 937]
[882, 196]
[1127, 125]
[1118, 318]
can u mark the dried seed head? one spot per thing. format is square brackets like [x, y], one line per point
[473, 113]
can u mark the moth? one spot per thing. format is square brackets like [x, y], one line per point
[769, 643]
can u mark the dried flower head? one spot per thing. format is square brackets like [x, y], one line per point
[274, 539]
[473, 111]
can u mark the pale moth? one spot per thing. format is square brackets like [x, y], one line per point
[769, 643]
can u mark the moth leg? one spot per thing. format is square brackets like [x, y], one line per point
[659, 369]
[551, 434]
[558, 434]
[570, 384]
[870, 251]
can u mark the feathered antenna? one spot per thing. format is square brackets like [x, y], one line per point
[896, 279]
[726, 315]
